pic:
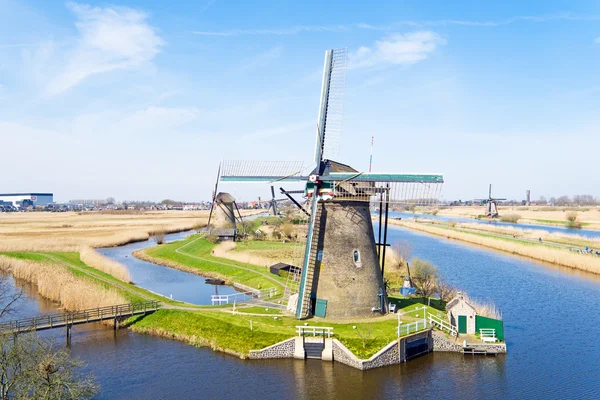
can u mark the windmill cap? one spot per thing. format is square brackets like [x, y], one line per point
[225, 197]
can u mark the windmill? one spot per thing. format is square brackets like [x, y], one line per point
[223, 214]
[341, 272]
[491, 204]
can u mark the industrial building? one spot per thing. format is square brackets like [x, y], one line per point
[23, 200]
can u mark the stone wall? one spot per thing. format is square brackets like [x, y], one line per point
[342, 355]
[389, 355]
[443, 343]
[283, 349]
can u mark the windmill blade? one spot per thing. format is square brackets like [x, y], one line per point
[407, 189]
[331, 109]
[261, 171]
[214, 195]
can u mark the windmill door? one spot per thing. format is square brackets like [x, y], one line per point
[321, 308]
[462, 324]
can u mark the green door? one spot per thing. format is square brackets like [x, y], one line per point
[462, 324]
[321, 308]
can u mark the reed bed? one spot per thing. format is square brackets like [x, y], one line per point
[57, 283]
[96, 260]
[485, 308]
[566, 238]
[562, 257]
[49, 232]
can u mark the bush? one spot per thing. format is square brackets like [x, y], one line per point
[212, 238]
[159, 236]
[572, 222]
[435, 212]
[514, 218]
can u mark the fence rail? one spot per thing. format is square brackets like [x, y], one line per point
[442, 325]
[69, 318]
[314, 330]
[413, 327]
[242, 297]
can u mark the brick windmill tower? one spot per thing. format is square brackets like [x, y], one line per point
[341, 272]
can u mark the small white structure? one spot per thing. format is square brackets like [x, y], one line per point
[461, 314]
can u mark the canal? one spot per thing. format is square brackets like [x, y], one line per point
[550, 323]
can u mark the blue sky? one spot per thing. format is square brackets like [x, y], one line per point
[141, 99]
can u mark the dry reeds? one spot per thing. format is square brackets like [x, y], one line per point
[485, 308]
[557, 256]
[56, 282]
[48, 232]
[96, 260]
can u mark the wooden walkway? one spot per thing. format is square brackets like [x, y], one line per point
[67, 319]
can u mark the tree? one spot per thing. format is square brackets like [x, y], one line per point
[30, 367]
[33, 368]
[424, 276]
[446, 291]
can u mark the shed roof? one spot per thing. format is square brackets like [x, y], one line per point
[457, 300]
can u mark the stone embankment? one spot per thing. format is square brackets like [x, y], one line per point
[393, 353]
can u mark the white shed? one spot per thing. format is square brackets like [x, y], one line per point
[461, 314]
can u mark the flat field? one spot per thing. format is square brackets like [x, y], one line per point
[588, 216]
[45, 231]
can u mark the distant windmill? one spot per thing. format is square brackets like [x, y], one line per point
[341, 272]
[491, 204]
[223, 214]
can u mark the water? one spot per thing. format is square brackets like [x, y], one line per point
[552, 229]
[169, 282]
[551, 321]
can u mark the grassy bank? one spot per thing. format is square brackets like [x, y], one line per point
[195, 255]
[71, 261]
[533, 250]
[232, 334]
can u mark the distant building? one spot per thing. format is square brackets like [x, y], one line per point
[23, 200]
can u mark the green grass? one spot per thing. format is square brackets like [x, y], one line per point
[226, 269]
[225, 331]
[262, 245]
[557, 222]
[258, 310]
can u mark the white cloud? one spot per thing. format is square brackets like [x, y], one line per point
[114, 38]
[396, 49]
[597, 40]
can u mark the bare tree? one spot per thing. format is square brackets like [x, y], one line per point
[365, 335]
[446, 291]
[159, 236]
[31, 367]
[9, 296]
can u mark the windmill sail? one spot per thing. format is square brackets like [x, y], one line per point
[331, 108]
[261, 171]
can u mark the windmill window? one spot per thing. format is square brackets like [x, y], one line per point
[356, 255]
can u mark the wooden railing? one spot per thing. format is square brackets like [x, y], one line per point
[314, 331]
[69, 318]
[413, 327]
[442, 325]
[242, 297]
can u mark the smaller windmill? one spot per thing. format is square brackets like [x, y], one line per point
[222, 214]
[491, 204]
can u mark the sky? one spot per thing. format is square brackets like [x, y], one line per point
[140, 100]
